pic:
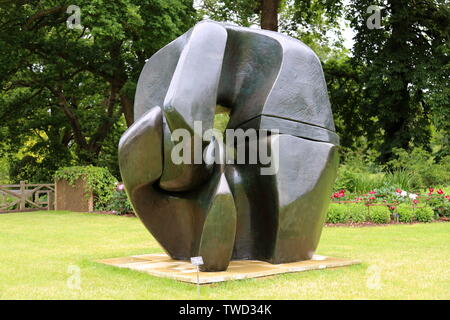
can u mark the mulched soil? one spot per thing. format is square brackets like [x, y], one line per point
[371, 224]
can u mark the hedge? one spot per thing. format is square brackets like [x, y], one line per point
[405, 212]
[352, 212]
[380, 214]
[424, 214]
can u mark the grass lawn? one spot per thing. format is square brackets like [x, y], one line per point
[38, 248]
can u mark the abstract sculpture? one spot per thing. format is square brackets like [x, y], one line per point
[232, 211]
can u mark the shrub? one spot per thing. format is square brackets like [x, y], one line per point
[399, 178]
[357, 180]
[439, 202]
[119, 202]
[4, 171]
[97, 179]
[424, 214]
[424, 168]
[337, 213]
[356, 212]
[405, 212]
[379, 214]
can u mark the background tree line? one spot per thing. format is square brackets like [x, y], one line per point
[67, 94]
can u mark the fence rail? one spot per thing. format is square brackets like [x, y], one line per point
[26, 197]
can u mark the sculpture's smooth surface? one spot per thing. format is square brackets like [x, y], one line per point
[223, 212]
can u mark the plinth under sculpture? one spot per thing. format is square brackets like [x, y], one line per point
[231, 211]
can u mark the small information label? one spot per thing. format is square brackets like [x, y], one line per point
[197, 261]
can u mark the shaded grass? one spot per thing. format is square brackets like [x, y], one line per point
[37, 248]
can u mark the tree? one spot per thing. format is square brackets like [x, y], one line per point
[65, 91]
[345, 92]
[406, 69]
[266, 13]
[269, 14]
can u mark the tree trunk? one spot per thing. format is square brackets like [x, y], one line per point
[127, 109]
[396, 132]
[269, 14]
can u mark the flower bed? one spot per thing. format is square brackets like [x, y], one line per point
[389, 205]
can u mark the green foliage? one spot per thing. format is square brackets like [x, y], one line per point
[422, 167]
[66, 95]
[379, 214]
[406, 71]
[344, 213]
[440, 204]
[424, 214]
[4, 171]
[405, 212]
[357, 181]
[359, 173]
[221, 118]
[356, 212]
[119, 203]
[345, 92]
[337, 213]
[400, 178]
[98, 180]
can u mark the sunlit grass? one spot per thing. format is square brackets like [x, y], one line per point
[37, 248]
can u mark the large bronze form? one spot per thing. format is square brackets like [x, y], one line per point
[231, 211]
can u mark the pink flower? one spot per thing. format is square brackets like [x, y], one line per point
[372, 192]
[431, 190]
[440, 191]
[398, 190]
[372, 198]
[416, 201]
[120, 187]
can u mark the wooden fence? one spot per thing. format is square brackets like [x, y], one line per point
[26, 197]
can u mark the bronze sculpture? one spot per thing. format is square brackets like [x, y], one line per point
[232, 211]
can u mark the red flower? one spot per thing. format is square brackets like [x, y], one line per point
[416, 201]
[431, 190]
[372, 198]
[338, 195]
[398, 190]
[372, 192]
[440, 191]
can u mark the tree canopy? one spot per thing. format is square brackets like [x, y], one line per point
[67, 94]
